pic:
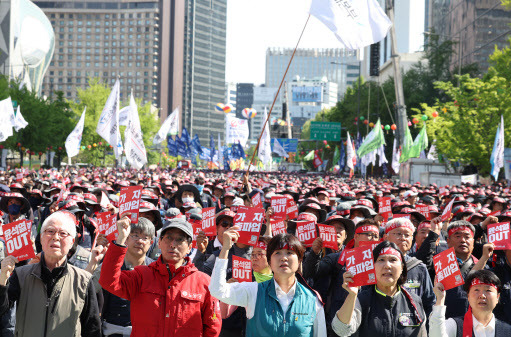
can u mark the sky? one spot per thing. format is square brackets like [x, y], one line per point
[255, 25]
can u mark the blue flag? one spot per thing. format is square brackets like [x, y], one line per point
[342, 160]
[185, 137]
[182, 150]
[212, 147]
[227, 157]
[195, 145]
[172, 146]
[240, 151]
[205, 154]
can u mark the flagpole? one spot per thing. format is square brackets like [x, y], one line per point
[276, 95]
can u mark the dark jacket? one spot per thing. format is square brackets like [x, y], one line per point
[501, 328]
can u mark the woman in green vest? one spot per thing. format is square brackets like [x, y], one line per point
[280, 306]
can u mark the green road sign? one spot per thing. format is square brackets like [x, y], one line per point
[326, 131]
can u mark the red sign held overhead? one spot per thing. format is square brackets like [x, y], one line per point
[278, 226]
[249, 220]
[256, 200]
[279, 203]
[306, 232]
[447, 270]
[17, 239]
[129, 202]
[359, 262]
[424, 210]
[384, 208]
[208, 221]
[446, 215]
[329, 236]
[197, 226]
[241, 269]
[443, 191]
[498, 234]
[19, 176]
[108, 225]
[291, 209]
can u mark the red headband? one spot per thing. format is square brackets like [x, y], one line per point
[395, 225]
[424, 225]
[368, 228]
[477, 282]
[262, 245]
[390, 251]
[461, 228]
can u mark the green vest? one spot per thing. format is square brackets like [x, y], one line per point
[269, 319]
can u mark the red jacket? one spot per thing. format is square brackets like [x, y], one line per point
[162, 305]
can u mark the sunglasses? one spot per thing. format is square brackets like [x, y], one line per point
[225, 224]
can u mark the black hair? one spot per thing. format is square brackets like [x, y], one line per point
[387, 244]
[280, 240]
[484, 276]
[367, 222]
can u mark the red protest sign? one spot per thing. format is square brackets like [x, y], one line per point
[498, 234]
[129, 202]
[66, 181]
[443, 191]
[291, 209]
[279, 203]
[278, 226]
[108, 225]
[197, 226]
[496, 213]
[249, 220]
[329, 236]
[208, 221]
[17, 239]
[384, 208]
[359, 262]
[447, 270]
[19, 176]
[306, 232]
[446, 215]
[241, 269]
[424, 210]
[256, 200]
[61, 196]
[372, 244]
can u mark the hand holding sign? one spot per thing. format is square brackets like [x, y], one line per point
[7, 266]
[17, 239]
[347, 281]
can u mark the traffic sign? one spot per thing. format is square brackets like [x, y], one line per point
[325, 131]
[289, 145]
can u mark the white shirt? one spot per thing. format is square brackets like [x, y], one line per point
[245, 295]
[440, 327]
[216, 243]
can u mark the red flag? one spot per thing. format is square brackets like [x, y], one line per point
[446, 215]
[17, 239]
[197, 226]
[317, 160]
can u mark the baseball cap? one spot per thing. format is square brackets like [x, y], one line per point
[179, 223]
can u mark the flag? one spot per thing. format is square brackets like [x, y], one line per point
[195, 145]
[211, 146]
[172, 146]
[123, 115]
[337, 156]
[373, 140]
[497, 154]
[227, 154]
[406, 147]
[19, 121]
[6, 118]
[278, 149]
[342, 159]
[351, 160]
[241, 152]
[432, 152]
[381, 155]
[170, 126]
[220, 152]
[419, 144]
[185, 137]
[309, 156]
[264, 153]
[395, 157]
[108, 125]
[317, 160]
[205, 154]
[136, 153]
[355, 23]
[74, 139]
[182, 149]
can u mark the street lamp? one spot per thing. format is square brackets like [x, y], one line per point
[460, 50]
[359, 63]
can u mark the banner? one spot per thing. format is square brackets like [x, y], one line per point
[306, 232]
[469, 179]
[108, 125]
[279, 203]
[498, 234]
[236, 130]
[129, 202]
[169, 126]
[6, 119]
[123, 115]
[329, 236]
[17, 239]
[19, 121]
[241, 269]
[447, 270]
[249, 220]
[359, 262]
[278, 226]
[135, 148]
[209, 221]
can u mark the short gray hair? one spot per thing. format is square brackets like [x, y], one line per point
[461, 223]
[399, 222]
[65, 218]
[144, 226]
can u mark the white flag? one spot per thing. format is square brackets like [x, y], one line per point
[381, 154]
[220, 156]
[6, 119]
[236, 130]
[169, 126]
[108, 125]
[351, 156]
[278, 149]
[355, 23]
[74, 139]
[123, 115]
[396, 153]
[264, 153]
[497, 155]
[432, 153]
[19, 121]
[135, 148]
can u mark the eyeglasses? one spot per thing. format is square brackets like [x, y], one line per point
[257, 256]
[169, 239]
[401, 235]
[226, 224]
[370, 235]
[135, 237]
[51, 232]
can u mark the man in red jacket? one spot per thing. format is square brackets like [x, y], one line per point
[170, 297]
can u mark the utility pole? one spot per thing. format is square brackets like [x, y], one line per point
[402, 121]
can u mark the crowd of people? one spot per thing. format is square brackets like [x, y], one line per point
[163, 276]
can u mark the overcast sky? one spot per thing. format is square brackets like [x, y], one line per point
[254, 26]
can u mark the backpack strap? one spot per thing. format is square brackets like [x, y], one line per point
[412, 263]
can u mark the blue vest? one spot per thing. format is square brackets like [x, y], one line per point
[269, 320]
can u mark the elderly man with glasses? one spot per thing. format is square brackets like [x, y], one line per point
[53, 297]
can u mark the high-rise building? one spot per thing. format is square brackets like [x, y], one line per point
[263, 99]
[230, 95]
[204, 67]
[244, 97]
[337, 65]
[477, 26]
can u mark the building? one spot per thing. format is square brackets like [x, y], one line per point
[204, 67]
[263, 99]
[244, 97]
[478, 26]
[230, 95]
[337, 65]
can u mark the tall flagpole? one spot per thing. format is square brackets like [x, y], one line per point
[276, 95]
